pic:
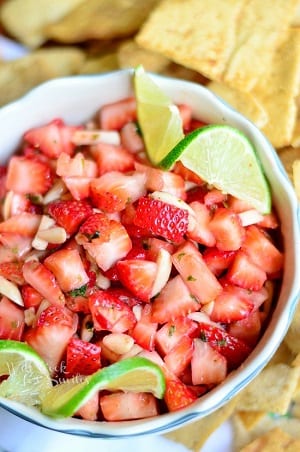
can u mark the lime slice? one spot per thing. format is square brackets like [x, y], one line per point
[29, 377]
[159, 119]
[224, 157]
[135, 374]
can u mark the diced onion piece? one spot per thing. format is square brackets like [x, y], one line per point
[55, 192]
[55, 235]
[11, 291]
[89, 137]
[6, 208]
[164, 267]
[102, 281]
[208, 307]
[249, 217]
[87, 329]
[29, 316]
[137, 310]
[119, 343]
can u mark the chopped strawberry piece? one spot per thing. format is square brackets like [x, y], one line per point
[15, 246]
[218, 261]
[25, 175]
[124, 296]
[3, 171]
[187, 174]
[244, 273]
[122, 406]
[131, 139]
[197, 193]
[70, 214]
[138, 276]
[231, 306]
[201, 282]
[248, 330]
[227, 229]
[145, 329]
[77, 303]
[89, 410]
[50, 337]
[25, 224]
[31, 297]
[82, 358]
[178, 395]
[214, 198]
[172, 332]
[12, 271]
[11, 320]
[180, 356]
[43, 280]
[269, 221]
[154, 245]
[67, 267]
[78, 166]
[52, 139]
[110, 157]
[163, 219]
[110, 313]
[115, 115]
[209, 367]
[232, 348]
[186, 115]
[199, 229]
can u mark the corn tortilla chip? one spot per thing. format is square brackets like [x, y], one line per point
[101, 19]
[276, 440]
[26, 19]
[102, 63]
[194, 435]
[250, 418]
[296, 178]
[292, 338]
[287, 156]
[196, 34]
[241, 101]
[19, 76]
[131, 55]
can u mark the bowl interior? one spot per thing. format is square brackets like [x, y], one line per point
[77, 99]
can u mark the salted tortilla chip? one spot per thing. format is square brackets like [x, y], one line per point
[177, 71]
[99, 64]
[271, 390]
[26, 19]
[101, 19]
[278, 89]
[276, 440]
[250, 418]
[131, 55]
[19, 76]
[287, 156]
[283, 355]
[194, 435]
[292, 338]
[241, 101]
[296, 177]
[262, 27]
[197, 34]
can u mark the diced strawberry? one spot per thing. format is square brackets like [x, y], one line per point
[15, 246]
[115, 115]
[31, 297]
[145, 329]
[122, 406]
[43, 280]
[159, 180]
[110, 157]
[248, 330]
[238, 205]
[69, 213]
[179, 357]
[82, 358]
[3, 171]
[124, 296]
[89, 410]
[172, 332]
[230, 306]
[25, 224]
[178, 395]
[186, 115]
[26, 175]
[163, 219]
[52, 139]
[110, 313]
[95, 226]
[114, 190]
[50, 337]
[131, 139]
[209, 367]
[79, 187]
[262, 251]
[214, 198]
[199, 229]
[197, 194]
[138, 276]
[201, 282]
[227, 229]
[269, 221]
[11, 320]
[67, 267]
[218, 261]
[16, 203]
[244, 273]
[78, 166]
[154, 245]
[12, 271]
[187, 174]
[78, 303]
[232, 348]
[196, 124]
[174, 300]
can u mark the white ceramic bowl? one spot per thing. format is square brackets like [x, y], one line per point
[75, 100]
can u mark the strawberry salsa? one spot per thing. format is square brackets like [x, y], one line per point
[104, 257]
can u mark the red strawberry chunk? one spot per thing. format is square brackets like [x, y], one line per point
[186, 115]
[11, 320]
[70, 214]
[52, 139]
[138, 277]
[82, 358]
[115, 115]
[110, 157]
[227, 229]
[12, 271]
[218, 261]
[89, 410]
[209, 367]
[244, 273]
[231, 306]
[78, 166]
[199, 229]
[160, 218]
[178, 395]
[110, 313]
[248, 330]
[3, 171]
[131, 139]
[25, 224]
[180, 356]
[122, 406]
[31, 297]
[26, 175]
[145, 329]
[67, 267]
[172, 332]
[187, 174]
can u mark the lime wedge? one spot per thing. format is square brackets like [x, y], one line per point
[29, 377]
[159, 119]
[134, 374]
[224, 157]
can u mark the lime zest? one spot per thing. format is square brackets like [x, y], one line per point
[136, 374]
[224, 158]
[158, 117]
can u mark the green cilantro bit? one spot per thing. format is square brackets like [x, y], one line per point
[172, 330]
[180, 256]
[191, 278]
[80, 292]
[94, 235]
[203, 337]
[221, 343]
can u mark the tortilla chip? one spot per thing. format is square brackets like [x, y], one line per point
[271, 390]
[19, 76]
[102, 63]
[276, 440]
[283, 355]
[262, 27]
[278, 89]
[292, 338]
[250, 418]
[131, 55]
[243, 102]
[194, 435]
[177, 71]
[296, 177]
[101, 19]
[287, 156]
[196, 34]
[26, 19]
